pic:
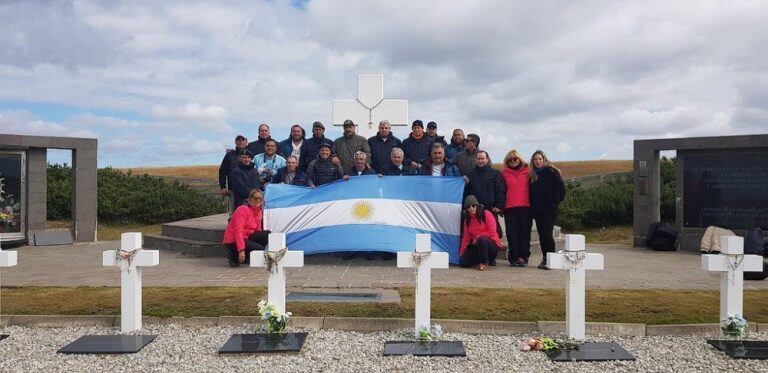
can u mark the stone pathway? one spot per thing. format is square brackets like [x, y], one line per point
[625, 268]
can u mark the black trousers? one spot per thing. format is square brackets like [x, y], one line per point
[481, 252]
[518, 222]
[256, 241]
[545, 224]
[498, 225]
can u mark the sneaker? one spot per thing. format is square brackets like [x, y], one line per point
[543, 265]
[482, 266]
[492, 262]
[520, 262]
[232, 258]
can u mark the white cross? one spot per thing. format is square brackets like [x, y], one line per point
[429, 260]
[130, 277]
[370, 107]
[276, 281]
[732, 263]
[576, 260]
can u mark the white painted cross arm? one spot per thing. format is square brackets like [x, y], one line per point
[574, 245]
[276, 280]
[128, 243]
[7, 258]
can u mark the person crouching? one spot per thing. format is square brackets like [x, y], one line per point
[243, 233]
[479, 241]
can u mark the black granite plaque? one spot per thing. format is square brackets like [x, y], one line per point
[742, 349]
[4, 336]
[725, 189]
[107, 344]
[591, 351]
[436, 348]
[264, 343]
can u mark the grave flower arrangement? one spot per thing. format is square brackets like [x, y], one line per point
[546, 344]
[734, 325]
[276, 321]
[9, 207]
[427, 334]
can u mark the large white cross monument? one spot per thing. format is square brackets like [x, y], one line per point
[370, 107]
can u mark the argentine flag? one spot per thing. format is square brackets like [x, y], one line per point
[368, 213]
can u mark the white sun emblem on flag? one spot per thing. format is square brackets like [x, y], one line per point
[362, 211]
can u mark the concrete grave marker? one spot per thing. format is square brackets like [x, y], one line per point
[370, 107]
[576, 260]
[423, 260]
[732, 263]
[131, 258]
[276, 257]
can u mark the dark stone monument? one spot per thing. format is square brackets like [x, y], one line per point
[108, 344]
[591, 351]
[742, 349]
[4, 336]
[264, 343]
[23, 165]
[435, 348]
[721, 181]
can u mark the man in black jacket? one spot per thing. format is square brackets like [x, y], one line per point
[318, 138]
[297, 145]
[417, 146]
[243, 179]
[381, 146]
[432, 134]
[257, 147]
[290, 174]
[230, 161]
[397, 167]
[487, 184]
[322, 170]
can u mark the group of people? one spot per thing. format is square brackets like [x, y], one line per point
[521, 192]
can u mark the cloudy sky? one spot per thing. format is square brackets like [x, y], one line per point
[172, 83]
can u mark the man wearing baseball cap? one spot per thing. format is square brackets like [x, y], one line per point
[432, 134]
[417, 146]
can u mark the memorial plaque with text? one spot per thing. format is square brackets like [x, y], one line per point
[728, 190]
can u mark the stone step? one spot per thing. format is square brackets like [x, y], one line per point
[192, 233]
[188, 247]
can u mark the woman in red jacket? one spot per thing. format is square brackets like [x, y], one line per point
[243, 233]
[479, 241]
[517, 209]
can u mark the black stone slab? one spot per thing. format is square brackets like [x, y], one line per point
[591, 351]
[742, 349]
[333, 297]
[4, 336]
[108, 344]
[437, 348]
[264, 343]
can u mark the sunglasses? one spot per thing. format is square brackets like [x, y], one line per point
[257, 198]
[514, 160]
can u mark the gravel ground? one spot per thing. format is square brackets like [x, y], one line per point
[190, 349]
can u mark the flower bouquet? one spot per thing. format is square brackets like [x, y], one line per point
[546, 344]
[734, 326]
[276, 321]
[427, 334]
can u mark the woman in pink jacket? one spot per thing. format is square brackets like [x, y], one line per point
[479, 241]
[243, 233]
[517, 209]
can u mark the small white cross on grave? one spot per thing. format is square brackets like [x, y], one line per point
[370, 107]
[423, 259]
[276, 258]
[576, 260]
[130, 258]
[732, 263]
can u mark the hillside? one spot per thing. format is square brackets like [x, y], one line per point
[568, 168]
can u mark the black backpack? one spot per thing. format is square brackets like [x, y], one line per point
[757, 276]
[661, 237]
[754, 243]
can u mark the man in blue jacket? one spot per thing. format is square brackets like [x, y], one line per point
[437, 165]
[243, 179]
[297, 145]
[290, 174]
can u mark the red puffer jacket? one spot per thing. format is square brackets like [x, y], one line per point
[518, 187]
[245, 220]
[474, 229]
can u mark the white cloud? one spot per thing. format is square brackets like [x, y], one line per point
[592, 75]
[563, 147]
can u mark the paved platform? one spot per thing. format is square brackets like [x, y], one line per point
[625, 268]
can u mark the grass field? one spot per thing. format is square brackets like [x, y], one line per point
[630, 306]
[107, 232]
[568, 168]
